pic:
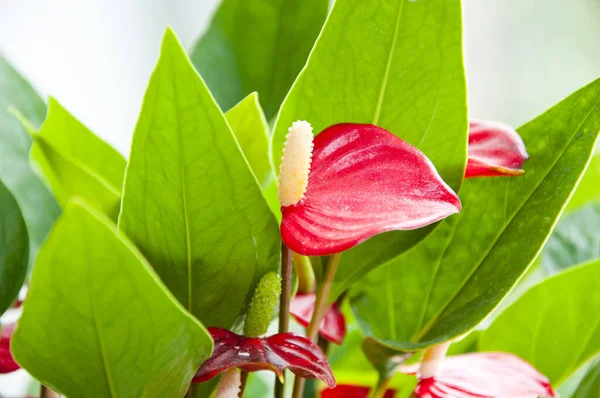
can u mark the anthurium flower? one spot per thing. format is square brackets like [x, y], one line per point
[348, 391]
[7, 363]
[333, 326]
[276, 353]
[495, 149]
[482, 375]
[362, 180]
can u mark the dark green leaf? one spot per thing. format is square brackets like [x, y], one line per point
[453, 279]
[14, 249]
[98, 323]
[248, 123]
[555, 325]
[257, 45]
[190, 202]
[397, 64]
[590, 385]
[37, 204]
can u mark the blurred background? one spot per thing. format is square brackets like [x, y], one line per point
[96, 56]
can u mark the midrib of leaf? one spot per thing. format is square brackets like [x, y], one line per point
[388, 66]
[102, 349]
[435, 318]
[188, 246]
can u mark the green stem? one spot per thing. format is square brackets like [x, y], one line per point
[381, 387]
[284, 302]
[45, 392]
[319, 312]
[306, 275]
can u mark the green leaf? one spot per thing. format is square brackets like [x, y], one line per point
[248, 123]
[37, 204]
[75, 162]
[555, 326]
[450, 282]
[257, 45]
[588, 190]
[590, 385]
[98, 323]
[14, 249]
[190, 202]
[397, 64]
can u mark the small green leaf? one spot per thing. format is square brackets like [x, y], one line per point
[397, 64]
[555, 326]
[190, 202]
[590, 385]
[98, 323]
[75, 162]
[450, 282]
[37, 204]
[14, 249]
[257, 45]
[248, 123]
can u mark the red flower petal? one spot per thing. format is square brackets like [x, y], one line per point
[276, 353]
[333, 327]
[7, 363]
[494, 150]
[363, 181]
[479, 375]
[346, 391]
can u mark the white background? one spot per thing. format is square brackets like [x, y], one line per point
[95, 56]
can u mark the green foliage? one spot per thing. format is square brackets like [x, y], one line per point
[190, 201]
[555, 326]
[37, 204]
[262, 307]
[98, 323]
[452, 280]
[248, 123]
[257, 45]
[590, 385]
[14, 249]
[75, 162]
[588, 190]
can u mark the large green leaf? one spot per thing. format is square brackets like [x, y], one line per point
[555, 325]
[14, 249]
[588, 190]
[76, 162]
[248, 123]
[37, 204]
[452, 280]
[98, 323]
[190, 202]
[257, 45]
[397, 64]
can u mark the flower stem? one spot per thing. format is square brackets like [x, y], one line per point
[45, 392]
[306, 275]
[243, 381]
[319, 312]
[284, 301]
[432, 360]
[381, 387]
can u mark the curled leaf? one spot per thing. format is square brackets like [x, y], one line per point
[495, 149]
[275, 353]
[7, 363]
[480, 375]
[348, 391]
[333, 326]
[363, 181]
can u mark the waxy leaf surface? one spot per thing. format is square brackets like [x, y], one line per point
[7, 362]
[276, 353]
[555, 325]
[14, 249]
[97, 322]
[333, 326]
[37, 203]
[190, 201]
[588, 190]
[363, 181]
[396, 64]
[248, 123]
[76, 162]
[257, 45]
[450, 282]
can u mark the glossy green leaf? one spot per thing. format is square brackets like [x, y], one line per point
[37, 204]
[458, 275]
[397, 64]
[97, 322]
[248, 123]
[590, 385]
[588, 190]
[555, 325]
[190, 202]
[75, 162]
[14, 249]
[257, 45]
